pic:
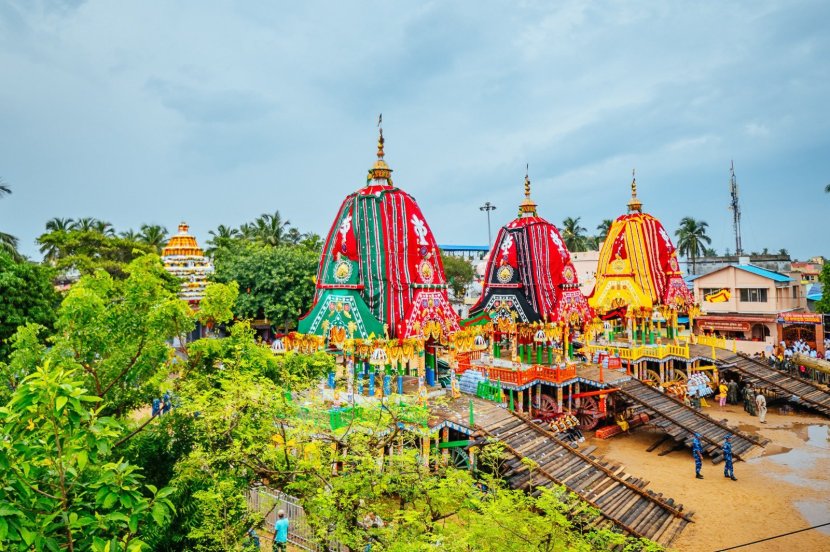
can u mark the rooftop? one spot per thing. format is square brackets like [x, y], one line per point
[757, 270]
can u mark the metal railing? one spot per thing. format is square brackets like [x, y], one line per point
[300, 534]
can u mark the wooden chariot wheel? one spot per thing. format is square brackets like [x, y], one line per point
[589, 414]
[548, 409]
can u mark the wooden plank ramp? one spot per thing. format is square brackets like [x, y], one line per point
[681, 422]
[622, 500]
[794, 389]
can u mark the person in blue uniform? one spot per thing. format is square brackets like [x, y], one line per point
[697, 453]
[728, 471]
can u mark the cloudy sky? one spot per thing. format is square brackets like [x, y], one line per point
[215, 112]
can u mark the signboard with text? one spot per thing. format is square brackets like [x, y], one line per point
[723, 325]
[799, 318]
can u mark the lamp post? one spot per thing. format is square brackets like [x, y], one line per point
[487, 207]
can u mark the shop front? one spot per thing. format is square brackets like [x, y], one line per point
[747, 327]
[802, 326]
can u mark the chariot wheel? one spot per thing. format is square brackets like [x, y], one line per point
[548, 409]
[652, 377]
[588, 414]
[459, 458]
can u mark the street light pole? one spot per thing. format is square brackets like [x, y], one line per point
[488, 207]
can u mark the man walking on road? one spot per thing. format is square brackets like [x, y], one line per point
[697, 453]
[761, 404]
[281, 532]
[728, 471]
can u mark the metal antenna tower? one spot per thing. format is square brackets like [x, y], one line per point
[735, 207]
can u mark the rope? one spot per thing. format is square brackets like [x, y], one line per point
[775, 537]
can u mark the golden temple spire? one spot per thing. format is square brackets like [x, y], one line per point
[380, 171]
[634, 204]
[527, 207]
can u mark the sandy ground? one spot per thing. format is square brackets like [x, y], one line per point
[784, 489]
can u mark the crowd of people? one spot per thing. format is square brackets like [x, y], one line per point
[784, 351]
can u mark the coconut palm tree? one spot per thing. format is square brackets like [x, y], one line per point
[103, 227]
[7, 241]
[604, 227]
[271, 229]
[691, 237]
[85, 224]
[574, 234]
[221, 237]
[153, 235]
[130, 235]
[58, 224]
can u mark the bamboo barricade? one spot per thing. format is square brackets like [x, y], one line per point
[799, 391]
[621, 500]
[681, 422]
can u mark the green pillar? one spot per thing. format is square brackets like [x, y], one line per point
[538, 354]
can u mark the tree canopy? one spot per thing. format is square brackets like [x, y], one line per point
[459, 273]
[692, 239]
[26, 296]
[275, 283]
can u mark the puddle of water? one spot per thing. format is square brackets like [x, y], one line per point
[815, 513]
[800, 460]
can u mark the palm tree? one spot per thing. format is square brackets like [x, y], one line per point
[574, 234]
[604, 227]
[153, 235]
[221, 237]
[827, 189]
[130, 235]
[85, 224]
[104, 228]
[8, 242]
[248, 231]
[691, 237]
[271, 229]
[58, 224]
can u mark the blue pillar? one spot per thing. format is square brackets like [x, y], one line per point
[331, 380]
[371, 383]
[365, 367]
[387, 385]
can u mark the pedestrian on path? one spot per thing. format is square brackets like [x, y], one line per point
[728, 470]
[697, 453]
[761, 404]
[732, 394]
[281, 532]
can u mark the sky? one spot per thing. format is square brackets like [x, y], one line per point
[213, 113]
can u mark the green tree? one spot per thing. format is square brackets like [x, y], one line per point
[26, 295]
[217, 304]
[153, 235]
[8, 243]
[276, 283]
[272, 229]
[574, 234]
[57, 223]
[116, 333]
[85, 250]
[64, 488]
[823, 305]
[459, 273]
[692, 238]
[603, 227]
[223, 236]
